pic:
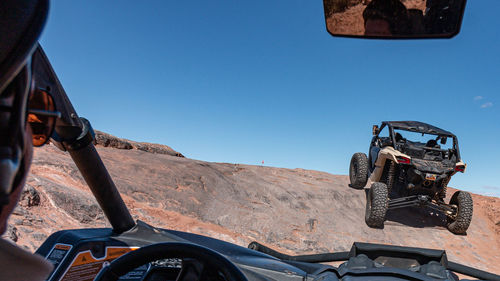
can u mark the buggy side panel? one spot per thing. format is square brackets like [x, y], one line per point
[386, 153]
[374, 150]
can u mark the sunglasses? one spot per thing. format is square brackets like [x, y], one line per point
[42, 116]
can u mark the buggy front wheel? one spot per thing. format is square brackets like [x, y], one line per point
[459, 223]
[377, 203]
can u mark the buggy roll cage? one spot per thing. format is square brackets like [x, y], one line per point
[417, 127]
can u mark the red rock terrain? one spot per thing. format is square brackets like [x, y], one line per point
[292, 210]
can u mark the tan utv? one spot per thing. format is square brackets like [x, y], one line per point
[410, 164]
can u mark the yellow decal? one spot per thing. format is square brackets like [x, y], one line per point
[85, 266]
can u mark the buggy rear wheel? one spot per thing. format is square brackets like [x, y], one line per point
[461, 221]
[358, 170]
[377, 203]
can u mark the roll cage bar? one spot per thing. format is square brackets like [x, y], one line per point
[417, 127]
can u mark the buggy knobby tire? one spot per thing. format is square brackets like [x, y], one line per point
[377, 203]
[358, 170]
[463, 201]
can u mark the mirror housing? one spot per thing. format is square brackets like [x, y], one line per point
[443, 140]
[394, 19]
[375, 130]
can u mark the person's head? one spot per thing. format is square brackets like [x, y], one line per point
[20, 32]
[385, 18]
[377, 27]
[15, 144]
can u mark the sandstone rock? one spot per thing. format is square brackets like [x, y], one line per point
[30, 197]
[295, 211]
[107, 140]
[11, 234]
[79, 205]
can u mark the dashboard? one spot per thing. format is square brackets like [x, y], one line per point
[79, 255]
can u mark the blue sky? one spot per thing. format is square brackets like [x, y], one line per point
[252, 81]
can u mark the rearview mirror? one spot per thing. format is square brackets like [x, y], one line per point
[388, 19]
[443, 140]
[375, 130]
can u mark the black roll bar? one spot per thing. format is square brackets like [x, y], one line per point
[75, 135]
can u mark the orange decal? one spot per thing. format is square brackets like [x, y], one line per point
[63, 247]
[85, 266]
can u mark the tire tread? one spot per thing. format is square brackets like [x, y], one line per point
[464, 217]
[377, 208]
[359, 178]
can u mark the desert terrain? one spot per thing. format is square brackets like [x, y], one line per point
[295, 211]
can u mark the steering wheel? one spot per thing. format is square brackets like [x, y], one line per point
[209, 258]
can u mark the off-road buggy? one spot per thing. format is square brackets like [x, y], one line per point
[410, 163]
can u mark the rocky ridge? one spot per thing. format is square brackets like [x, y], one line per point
[296, 211]
[107, 140]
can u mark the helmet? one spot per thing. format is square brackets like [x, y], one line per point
[21, 23]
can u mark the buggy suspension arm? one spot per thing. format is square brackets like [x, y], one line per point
[420, 201]
[410, 201]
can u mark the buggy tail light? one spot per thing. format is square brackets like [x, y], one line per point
[460, 168]
[403, 160]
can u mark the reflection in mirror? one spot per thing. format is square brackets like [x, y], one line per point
[394, 18]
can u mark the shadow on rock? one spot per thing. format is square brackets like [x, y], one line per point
[417, 217]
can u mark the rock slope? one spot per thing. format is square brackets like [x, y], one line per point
[296, 211]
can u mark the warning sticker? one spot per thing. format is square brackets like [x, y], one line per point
[57, 255]
[85, 266]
